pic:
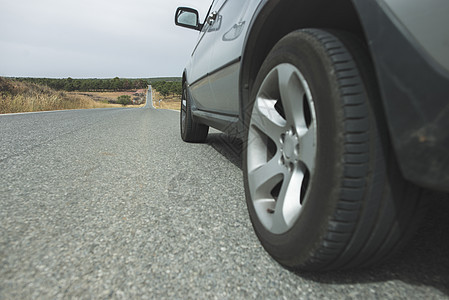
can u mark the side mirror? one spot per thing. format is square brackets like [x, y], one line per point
[187, 17]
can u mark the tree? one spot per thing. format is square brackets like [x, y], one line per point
[115, 84]
[126, 84]
[69, 85]
[178, 88]
[142, 84]
[164, 91]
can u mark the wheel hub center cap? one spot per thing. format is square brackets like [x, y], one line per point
[290, 149]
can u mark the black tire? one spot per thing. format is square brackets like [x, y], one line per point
[191, 130]
[327, 193]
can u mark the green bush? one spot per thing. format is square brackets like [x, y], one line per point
[124, 100]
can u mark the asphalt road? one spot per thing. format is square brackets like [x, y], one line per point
[110, 203]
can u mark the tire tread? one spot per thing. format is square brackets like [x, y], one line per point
[351, 212]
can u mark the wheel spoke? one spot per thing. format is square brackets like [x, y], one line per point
[264, 209]
[288, 204]
[292, 95]
[262, 179]
[267, 119]
[307, 143]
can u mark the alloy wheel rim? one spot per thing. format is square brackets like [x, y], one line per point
[183, 110]
[282, 148]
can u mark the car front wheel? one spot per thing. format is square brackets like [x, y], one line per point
[323, 190]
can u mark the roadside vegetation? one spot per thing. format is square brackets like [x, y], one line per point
[167, 88]
[16, 96]
[167, 94]
[42, 94]
[99, 85]
[124, 100]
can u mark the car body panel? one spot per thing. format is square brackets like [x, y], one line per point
[408, 41]
[427, 22]
[223, 42]
[415, 91]
[199, 66]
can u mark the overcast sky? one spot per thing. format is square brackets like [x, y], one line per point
[94, 38]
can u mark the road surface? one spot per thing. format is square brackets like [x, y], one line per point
[110, 203]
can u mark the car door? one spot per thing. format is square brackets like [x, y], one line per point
[215, 62]
[230, 26]
[199, 66]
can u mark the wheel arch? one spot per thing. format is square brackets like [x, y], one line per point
[276, 18]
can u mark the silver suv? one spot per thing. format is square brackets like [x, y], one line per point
[343, 109]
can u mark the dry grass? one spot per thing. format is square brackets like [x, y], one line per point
[106, 97]
[18, 96]
[173, 102]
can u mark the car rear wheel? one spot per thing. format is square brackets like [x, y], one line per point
[191, 130]
[323, 190]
